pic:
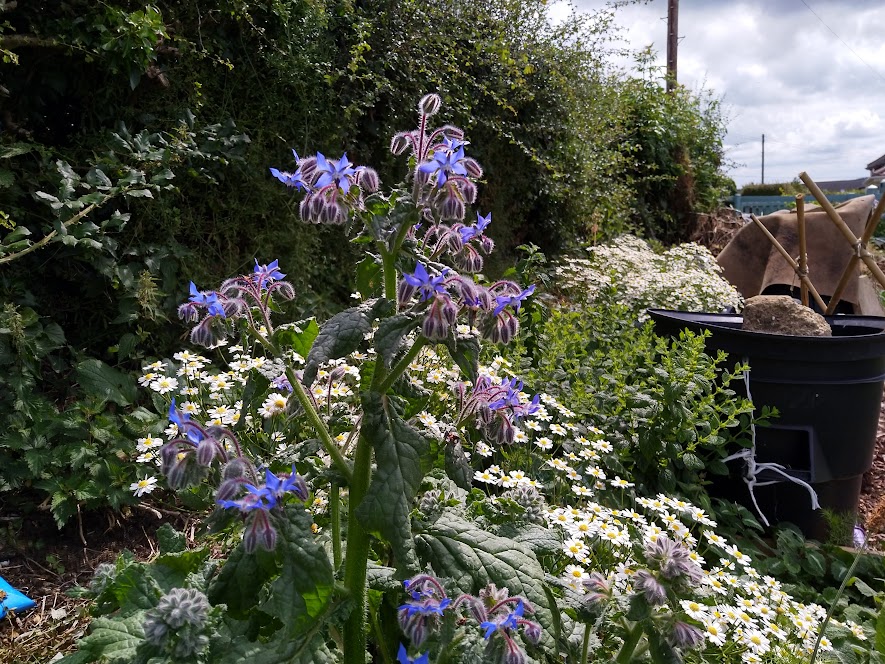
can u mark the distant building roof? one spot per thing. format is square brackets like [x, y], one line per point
[876, 165]
[843, 185]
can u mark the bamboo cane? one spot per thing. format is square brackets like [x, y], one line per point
[792, 263]
[868, 231]
[860, 250]
[803, 253]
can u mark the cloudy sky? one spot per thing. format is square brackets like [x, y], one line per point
[809, 74]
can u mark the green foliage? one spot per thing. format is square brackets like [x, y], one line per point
[664, 404]
[675, 144]
[767, 189]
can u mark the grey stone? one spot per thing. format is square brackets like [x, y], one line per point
[781, 314]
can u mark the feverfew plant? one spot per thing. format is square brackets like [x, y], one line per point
[685, 277]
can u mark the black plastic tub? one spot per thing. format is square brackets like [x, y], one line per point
[829, 394]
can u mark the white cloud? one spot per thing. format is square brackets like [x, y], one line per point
[819, 98]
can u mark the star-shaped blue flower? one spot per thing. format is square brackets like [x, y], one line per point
[445, 162]
[267, 273]
[427, 286]
[512, 300]
[402, 657]
[209, 300]
[337, 172]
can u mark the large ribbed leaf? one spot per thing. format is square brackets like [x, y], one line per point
[471, 557]
[402, 456]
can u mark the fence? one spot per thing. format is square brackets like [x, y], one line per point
[760, 205]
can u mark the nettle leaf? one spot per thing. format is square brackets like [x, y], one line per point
[106, 382]
[403, 456]
[465, 353]
[300, 342]
[472, 558]
[342, 334]
[299, 596]
[391, 332]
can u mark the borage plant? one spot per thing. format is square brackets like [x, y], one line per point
[292, 592]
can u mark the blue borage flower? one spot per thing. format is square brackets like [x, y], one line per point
[496, 406]
[339, 173]
[513, 300]
[402, 657]
[448, 159]
[268, 496]
[423, 613]
[426, 285]
[471, 232]
[267, 273]
[208, 299]
[492, 610]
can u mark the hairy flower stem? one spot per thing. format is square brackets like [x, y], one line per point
[319, 426]
[585, 647]
[389, 254]
[335, 509]
[629, 647]
[357, 556]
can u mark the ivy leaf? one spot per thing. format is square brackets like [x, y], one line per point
[472, 558]
[403, 457]
[300, 594]
[106, 382]
[390, 334]
[342, 334]
[465, 353]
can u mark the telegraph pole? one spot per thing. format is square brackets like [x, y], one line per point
[763, 158]
[672, 42]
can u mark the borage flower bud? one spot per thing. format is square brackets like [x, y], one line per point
[189, 311]
[532, 631]
[429, 104]
[207, 450]
[501, 328]
[474, 170]
[469, 260]
[308, 168]
[513, 653]
[503, 432]
[487, 244]
[685, 636]
[648, 585]
[399, 143]
[468, 191]
[404, 293]
[259, 532]
[367, 179]
[452, 132]
[439, 318]
[209, 332]
[228, 489]
[449, 204]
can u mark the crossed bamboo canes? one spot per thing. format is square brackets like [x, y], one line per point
[859, 244]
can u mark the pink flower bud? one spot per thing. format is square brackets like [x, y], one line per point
[429, 104]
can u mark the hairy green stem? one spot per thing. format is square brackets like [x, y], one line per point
[400, 367]
[335, 509]
[357, 560]
[586, 645]
[319, 426]
[629, 647]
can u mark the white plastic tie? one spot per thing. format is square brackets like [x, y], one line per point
[754, 468]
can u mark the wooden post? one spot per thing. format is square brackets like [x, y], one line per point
[859, 247]
[672, 42]
[803, 253]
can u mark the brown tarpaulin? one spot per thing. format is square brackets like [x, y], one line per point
[752, 264]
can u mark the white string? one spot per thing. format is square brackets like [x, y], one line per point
[753, 468]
